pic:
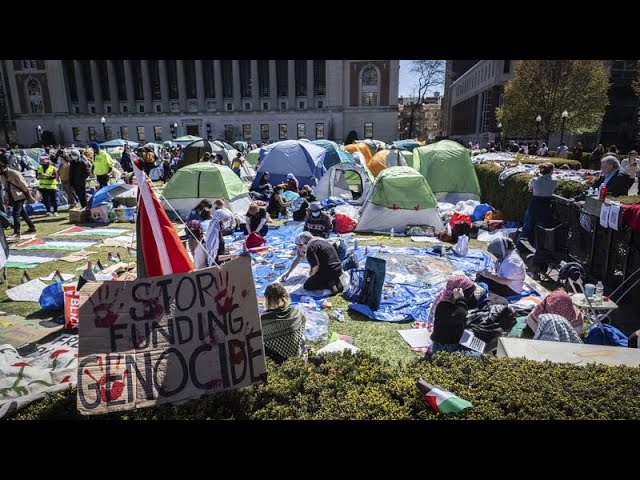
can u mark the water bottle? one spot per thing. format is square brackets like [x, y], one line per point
[392, 232]
[355, 244]
[599, 293]
[603, 192]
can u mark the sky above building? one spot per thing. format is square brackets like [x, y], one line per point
[409, 81]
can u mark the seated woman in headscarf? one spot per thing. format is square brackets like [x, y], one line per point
[277, 205]
[196, 212]
[292, 183]
[555, 328]
[510, 271]
[282, 325]
[557, 303]
[449, 313]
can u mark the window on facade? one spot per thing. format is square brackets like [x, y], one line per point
[227, 78]
[247, 106]
[301, 105]
[141, 108]
[34, 94]
[108, 133]
[302, 130]
[76, 109]
[70, 77]
[245, 77]
[85, 68]
[125, 109]
[319, 131]
[157, 133]
[282, 131]
[103, 73]
[120, 79]
[369, 99]
[190, 78]
[108, 108]
[75, 131]
[158, 108]
[228, 133]
[369, 87]
[229, 107]
[140, 131]
[92, 133]
[93, 109]
[263, 77]
[154, 74]
[124, 133]
[264, 131]
[319, 78]
[246, 131]
[209, 79]
[265, 105]
[301, 78]
[507, 66]
[283, 105]
[282, 77]
[136, 72]
[172, 73]
[320, 104]
[368, 129]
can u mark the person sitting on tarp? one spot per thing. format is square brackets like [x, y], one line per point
[617, 181]
[196, 212]
[222, 219]
[555, 328]
[257, 219]
[282, 325]
[323, 259]
[300, 206]
[510, 270]
[292, 183]
[264, 189]
[317, 222]
[449, 313]
[277, 204]
[557, 303]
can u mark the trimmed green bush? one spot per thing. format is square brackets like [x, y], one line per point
[513, 198]
[365, 388]
[557, 162]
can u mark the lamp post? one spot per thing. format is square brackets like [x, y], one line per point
[209, 131]
[538, 120]
[500, 133]
[103, 121]
[565, 114]
[39, 133]
[174, 130]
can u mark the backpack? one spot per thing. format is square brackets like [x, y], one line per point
[366, 285]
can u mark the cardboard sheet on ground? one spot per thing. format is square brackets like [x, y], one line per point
[416, 337]
[486, 236]
[425, 239]
[17, 331]
[90, 232]
[120, 241]
[168, 339]
[48, 244]
[27, 292]
[24, 379]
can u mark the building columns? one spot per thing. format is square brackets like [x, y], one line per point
[255, 85]
[82, 94]
[200, 86]
[146, 86]
[97, 87]
[164, 85]
[113, 87]
[217, 72]
[310, 98]
[291, 84]
[182, 87]
[273, 85]
[237, 94]
[128, 80]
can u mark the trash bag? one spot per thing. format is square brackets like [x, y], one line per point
[344, 224]
[461, 247]
[52, 297]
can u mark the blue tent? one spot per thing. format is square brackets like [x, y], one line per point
[304, 159]
[407, 145]
[118, 142]
[335, 154]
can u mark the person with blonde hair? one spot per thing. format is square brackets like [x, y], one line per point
[256, 220]
[282, 325]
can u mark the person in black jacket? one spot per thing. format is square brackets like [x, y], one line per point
[617, 181]
[79, 172]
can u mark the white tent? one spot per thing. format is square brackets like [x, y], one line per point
[348, 181]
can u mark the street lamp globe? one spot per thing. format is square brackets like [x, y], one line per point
[538, 119]
[39, 128]
[103, 121]
[565, 114]
[175, 125]
[500, 125]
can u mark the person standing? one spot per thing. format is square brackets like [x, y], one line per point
[48, 185]
[65, 179]
[79, 171]
[539, 211]
[236, 164]
[17, 192]
[631, 166]
[102, 165]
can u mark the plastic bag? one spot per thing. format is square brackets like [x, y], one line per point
[461, 247]
[344, 224]
[458, 218]
[52, 297]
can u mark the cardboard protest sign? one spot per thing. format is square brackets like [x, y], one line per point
[167, 339]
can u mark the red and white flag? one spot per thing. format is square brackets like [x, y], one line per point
[158, 244]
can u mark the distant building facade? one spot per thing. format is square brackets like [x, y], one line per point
[252, 100]
[427, 118]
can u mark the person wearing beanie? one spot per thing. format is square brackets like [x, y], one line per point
[317, 222]
[102, 165]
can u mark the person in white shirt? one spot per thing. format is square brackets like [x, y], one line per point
[214, 242]
[631, 165]
[511, 272]
[542, 152]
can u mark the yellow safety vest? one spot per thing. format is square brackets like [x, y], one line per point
[48, 183]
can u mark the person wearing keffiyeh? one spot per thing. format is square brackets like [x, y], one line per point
[282, 325]
[214, 241]
[558, 303]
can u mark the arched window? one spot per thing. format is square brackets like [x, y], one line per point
[369, 86]
[34, 96]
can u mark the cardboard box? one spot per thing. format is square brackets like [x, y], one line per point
[79, 216]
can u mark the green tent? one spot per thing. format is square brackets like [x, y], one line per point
[199, 181]
[252, 157]
[448, 168]
[412, 161]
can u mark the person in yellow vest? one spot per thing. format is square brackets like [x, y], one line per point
[48, 176]
[102, 165]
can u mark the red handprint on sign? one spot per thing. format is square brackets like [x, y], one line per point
[116, 388]
[104, 317]
[224, 303]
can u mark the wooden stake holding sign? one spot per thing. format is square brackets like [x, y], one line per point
[168, 339]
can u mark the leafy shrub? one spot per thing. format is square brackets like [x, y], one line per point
[364, 387]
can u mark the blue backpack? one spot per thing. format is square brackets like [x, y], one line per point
[605, 334]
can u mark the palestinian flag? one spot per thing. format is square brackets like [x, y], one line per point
[4, 248]
[441, 400]
[25, 277]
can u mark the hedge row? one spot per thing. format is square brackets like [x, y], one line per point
[513, 198]
[557, 162]
[362, 387]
